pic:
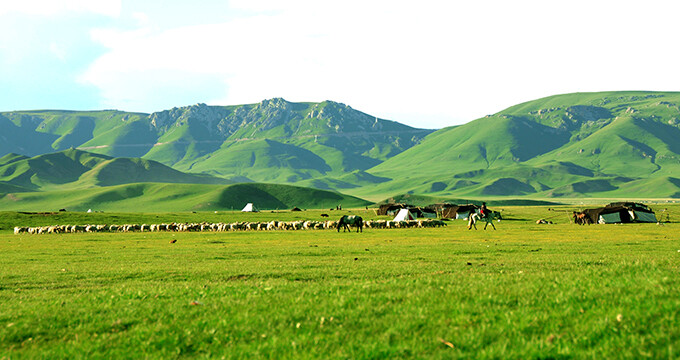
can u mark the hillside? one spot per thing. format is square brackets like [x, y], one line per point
[155, 197]
[574, 145]
[274, 140]
[80, 169]
[79, 180]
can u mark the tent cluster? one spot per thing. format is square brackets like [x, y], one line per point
[407, 212]
[615, 213]
[447, 211]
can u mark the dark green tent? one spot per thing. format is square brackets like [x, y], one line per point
[621, 212]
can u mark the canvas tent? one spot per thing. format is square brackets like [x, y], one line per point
[621, 212]
[420, 212]
[250, 208]
[438, 207]
[404, 215]
[458, 211]
[427, 213]
[392, 208]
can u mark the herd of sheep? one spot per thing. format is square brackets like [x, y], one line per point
[237, 226]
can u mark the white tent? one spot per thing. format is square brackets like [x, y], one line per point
[404, 215]
[250, 208]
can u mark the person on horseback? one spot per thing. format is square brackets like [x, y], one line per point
[483, 211]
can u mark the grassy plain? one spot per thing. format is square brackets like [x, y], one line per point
[524, 291]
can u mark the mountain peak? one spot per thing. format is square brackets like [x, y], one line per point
[274, 102]
[200, 112]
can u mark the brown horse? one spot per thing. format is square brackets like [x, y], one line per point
[581, 218]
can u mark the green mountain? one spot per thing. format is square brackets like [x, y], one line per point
[618, 144]
[608, 144]
[271, 141]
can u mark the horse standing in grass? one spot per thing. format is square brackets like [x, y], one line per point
[581, 218]
[351, 220]
[475, 216]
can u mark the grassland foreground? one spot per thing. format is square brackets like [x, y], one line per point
[523, 291]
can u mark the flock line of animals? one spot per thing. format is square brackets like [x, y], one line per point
[236, 226]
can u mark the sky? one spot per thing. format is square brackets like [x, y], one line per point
[426, 63]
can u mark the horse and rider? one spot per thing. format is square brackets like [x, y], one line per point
[482, 214]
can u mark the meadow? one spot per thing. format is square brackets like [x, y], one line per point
[554, 291]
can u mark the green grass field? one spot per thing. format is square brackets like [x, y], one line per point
[524, 291]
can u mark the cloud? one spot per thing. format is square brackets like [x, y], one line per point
[161, 88]
[305, 53]
[58, 51]
[448, 61]
[54, 7]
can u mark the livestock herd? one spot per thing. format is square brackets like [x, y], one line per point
[215, 227]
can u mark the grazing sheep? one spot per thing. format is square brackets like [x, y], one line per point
[306, 225]
[204, 226]
[240, 226]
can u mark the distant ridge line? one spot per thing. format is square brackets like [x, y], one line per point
[346, 135]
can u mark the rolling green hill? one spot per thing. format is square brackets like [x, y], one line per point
[155, 197]
[80, 169]
[620, 144]
[39, 132]
[79, 180]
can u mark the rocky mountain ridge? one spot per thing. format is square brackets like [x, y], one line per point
[283, 141]
[329, 116]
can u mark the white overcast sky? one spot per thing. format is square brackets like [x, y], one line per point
[425, 63]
